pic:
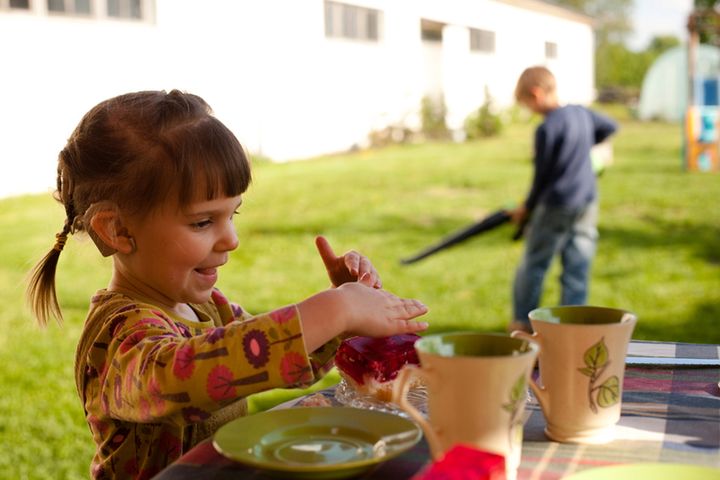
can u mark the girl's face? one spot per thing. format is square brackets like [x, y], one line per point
[178, 252]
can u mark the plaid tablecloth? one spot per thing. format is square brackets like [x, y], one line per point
[668, 415]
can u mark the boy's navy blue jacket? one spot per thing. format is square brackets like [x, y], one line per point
[563, 171]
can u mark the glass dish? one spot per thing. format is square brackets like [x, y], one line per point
[347, 395]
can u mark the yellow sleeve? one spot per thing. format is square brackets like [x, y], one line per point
[322, 360]
[157, 370]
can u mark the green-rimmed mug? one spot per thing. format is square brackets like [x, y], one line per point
[582, 366]
[477, 388]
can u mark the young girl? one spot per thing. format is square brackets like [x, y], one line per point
[164, 359]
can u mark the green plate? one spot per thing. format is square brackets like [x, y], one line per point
[654, 471]
[316, 442]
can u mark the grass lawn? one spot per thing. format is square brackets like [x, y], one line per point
[659, 255]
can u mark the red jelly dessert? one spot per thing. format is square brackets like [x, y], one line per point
[371, 364]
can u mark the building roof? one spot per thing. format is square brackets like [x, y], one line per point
[551, 9]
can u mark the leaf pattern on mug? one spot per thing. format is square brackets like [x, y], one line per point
[514, 406]
[609, 392]
[596, 360]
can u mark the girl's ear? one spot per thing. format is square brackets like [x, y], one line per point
[108, 233]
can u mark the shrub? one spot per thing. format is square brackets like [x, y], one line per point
[432, 113]
[483, 122]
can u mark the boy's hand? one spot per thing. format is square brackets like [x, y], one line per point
[518, 215]
[348, 268]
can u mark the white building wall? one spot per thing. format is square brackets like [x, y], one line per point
[268, 71]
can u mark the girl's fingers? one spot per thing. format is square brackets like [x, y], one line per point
[353, 262]
[412, 308]
[367, 266]
[326, 252]
[366, 279]
[412, 327]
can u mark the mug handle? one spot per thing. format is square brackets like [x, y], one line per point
[399, 397]
[540, 392]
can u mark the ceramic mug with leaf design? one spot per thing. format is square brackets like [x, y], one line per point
[476, 386]
[582, 365]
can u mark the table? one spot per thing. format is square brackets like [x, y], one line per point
[669, 414]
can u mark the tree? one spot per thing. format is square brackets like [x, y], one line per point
[612, 17]
[705, 20]
[612, 25]
[661, 43]
[619, 72]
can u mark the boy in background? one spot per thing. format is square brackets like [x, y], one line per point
[561, 209]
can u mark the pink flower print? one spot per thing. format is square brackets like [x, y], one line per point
[221, 382]
[194, 415]
[185, 357]
[98, 471]
[97, 424]
[132, 340]
[256, 348]
[156, 396]
[294, 368]
[117, 390]
[144, 406]
[184, 365]
[130, 374]
[119, 437]
[283, 315]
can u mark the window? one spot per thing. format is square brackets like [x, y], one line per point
[431, 31]
[124, 9]
[550, 50]
[70, 7]
[350, 21]
[136, 10]
[15, 4]
[482, 40]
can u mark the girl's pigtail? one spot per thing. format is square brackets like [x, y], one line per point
[41, 292]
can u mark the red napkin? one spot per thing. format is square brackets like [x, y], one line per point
[463, 462]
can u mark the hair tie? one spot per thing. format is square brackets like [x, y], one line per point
[60, 239]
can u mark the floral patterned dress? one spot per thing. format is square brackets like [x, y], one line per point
[153, 385]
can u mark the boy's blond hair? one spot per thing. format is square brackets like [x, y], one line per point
[534, 77]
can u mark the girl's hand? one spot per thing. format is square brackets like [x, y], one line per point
[378, 313]
[356, 308]
[348, 268]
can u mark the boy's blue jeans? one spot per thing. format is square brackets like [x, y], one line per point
[571, 233]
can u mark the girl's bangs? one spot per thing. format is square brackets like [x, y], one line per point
[213, 163]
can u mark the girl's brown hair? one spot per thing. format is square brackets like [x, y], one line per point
[135, 151]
